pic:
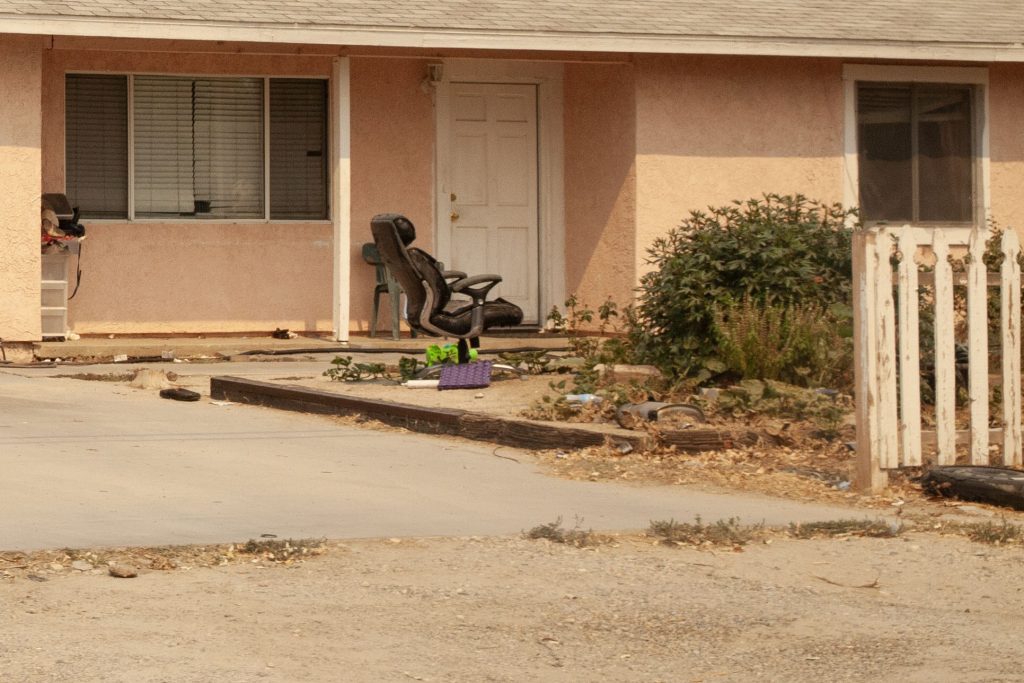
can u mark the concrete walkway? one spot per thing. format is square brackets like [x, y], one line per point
[90, 463]
[198, 347]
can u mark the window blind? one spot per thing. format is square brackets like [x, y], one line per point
[198, 147]
[96, 144]
[298, 149]
[163, 146]
[228, 174]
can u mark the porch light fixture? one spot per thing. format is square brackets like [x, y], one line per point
[435, 73]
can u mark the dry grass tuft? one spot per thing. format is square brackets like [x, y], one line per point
[990, 533]
[724, 532]
[556, 533]
[878, 528]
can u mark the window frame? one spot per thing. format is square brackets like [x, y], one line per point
[975, 77]
[266, 218]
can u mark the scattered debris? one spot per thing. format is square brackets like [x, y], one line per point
[150, 378]
[422, 383]
[582, 399]
[630, 415]
[123, 571]
[503, 457]
[995, 485]
[626, 374]
[873, 584]
[99, 377]
[180, 394]
[284, 551]
[279, 333]
[622, 446]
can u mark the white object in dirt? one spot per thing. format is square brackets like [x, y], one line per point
[150, 378]
[121, 358]
[423, 383]
[71, 336]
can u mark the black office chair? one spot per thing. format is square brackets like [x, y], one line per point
[428, 289]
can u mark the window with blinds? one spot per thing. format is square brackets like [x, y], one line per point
[96, 144]
[198, 147]
[298, 149]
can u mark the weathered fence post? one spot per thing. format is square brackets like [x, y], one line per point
[945, 353]
[1009, 288]
[910, 350]
[870, 477]
[888, 437]
[977, 342]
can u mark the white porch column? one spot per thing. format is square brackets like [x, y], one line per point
[341, 194]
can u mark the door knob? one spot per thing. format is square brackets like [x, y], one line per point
[455, 215]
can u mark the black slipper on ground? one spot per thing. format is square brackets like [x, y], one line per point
[179, 394]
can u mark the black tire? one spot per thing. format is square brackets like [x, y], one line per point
[996, 485]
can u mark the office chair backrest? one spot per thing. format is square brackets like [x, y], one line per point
[392, 233]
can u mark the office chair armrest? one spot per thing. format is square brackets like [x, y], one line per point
[453, 274]
[479, 294]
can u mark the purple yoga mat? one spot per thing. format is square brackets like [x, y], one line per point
[466, 376]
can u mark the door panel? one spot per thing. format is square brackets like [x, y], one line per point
[488, 198]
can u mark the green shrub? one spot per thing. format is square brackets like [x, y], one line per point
[777, 250]
[801, 344]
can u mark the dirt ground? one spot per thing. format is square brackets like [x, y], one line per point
[506, 397]
[920, 607]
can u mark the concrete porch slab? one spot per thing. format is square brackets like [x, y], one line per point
[153, 348]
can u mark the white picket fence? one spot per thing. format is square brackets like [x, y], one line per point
[888, 360]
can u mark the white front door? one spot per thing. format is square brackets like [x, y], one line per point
[487, 194]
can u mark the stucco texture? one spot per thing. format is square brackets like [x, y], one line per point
[1006, 144]
[20, 83]
[392, 163]
[190, 276]
[600, 182]
[714, 129]
[197, 276]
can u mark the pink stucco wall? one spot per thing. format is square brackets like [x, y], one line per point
[199, 276]
[1006, 144]
[600, 182]
[714, 129]
[20, 83]
[392, 162]
[190, 276]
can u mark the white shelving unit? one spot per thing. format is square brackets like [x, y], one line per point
[54, 295]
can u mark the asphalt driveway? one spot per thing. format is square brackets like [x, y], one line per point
[94, 463]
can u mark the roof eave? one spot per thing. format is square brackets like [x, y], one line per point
[106, 27]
